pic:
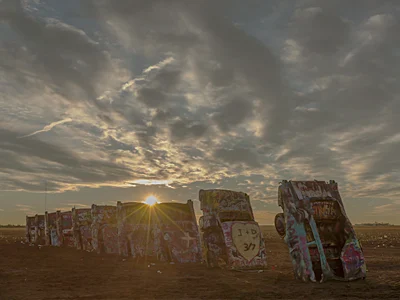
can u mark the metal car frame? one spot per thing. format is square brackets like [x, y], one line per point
[321, 239]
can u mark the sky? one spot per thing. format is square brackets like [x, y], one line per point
[116, 100]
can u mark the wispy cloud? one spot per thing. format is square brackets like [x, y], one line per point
[159, 65]
[23, 206]
[152, 182]
[392, 208]
[76, 205]
[49, 127]
[27, 209]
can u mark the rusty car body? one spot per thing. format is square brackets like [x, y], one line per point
[322, 242]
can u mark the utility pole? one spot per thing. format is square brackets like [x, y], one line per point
[45, 195]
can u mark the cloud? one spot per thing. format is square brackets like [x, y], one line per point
[238, 155]
[319, 32]
[54, 57]
[212, 51]
[183, 129]
[26, 209]
[232, 113]
[155, 93]
[152, 182]
[48, 127]
[200, 94]
[78, 205]
[49, 158]
[23, 206]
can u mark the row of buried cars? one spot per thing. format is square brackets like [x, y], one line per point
[320, 237]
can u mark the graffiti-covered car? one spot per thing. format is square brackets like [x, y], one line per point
[52, 238]
[40, 231]
[321, 239]
[163, 232]
[82, 228]
[135, 230]
[104, 229]
[179, 234]
[64, 229]
[30, 229]
[231, 238]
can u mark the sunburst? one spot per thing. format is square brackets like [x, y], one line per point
[151, 200]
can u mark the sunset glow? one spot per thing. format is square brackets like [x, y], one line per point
[151, 200]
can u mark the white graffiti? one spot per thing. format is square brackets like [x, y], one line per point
[187, 238]
[246, 238]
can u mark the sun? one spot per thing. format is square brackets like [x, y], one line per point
[151, 200]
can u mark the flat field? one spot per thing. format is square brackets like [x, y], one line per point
[30, 272]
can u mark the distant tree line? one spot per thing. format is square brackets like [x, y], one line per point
[374, 224]
[11, 226]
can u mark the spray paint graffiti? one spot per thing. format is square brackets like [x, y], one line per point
[246, 239]
[134, 222]
[104, 229]
[165, 232]
[40, 230]
[321, 239]
[52, 237]
[30, 230]
[244, 245]
[230, 236]
[353, 260]
[178, 232]
[64, 229]
[81, 227]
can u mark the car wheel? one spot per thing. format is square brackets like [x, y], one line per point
[280, 225]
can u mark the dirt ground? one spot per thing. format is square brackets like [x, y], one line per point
[30, 272]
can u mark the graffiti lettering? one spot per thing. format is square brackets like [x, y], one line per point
[249, 246]
[325, 210]
[247, 238]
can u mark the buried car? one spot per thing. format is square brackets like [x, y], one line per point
[81, 228]
[321, 239]
[135, 230]
[104, 229]
[52, 238]
[40, 229]
[179, 239]
[231, 238]
[164, 231]
[35, 229]
[30, 229]
[64, 229]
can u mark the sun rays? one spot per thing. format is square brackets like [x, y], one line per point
[148, 216]
[145, 213]
[151, 200]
